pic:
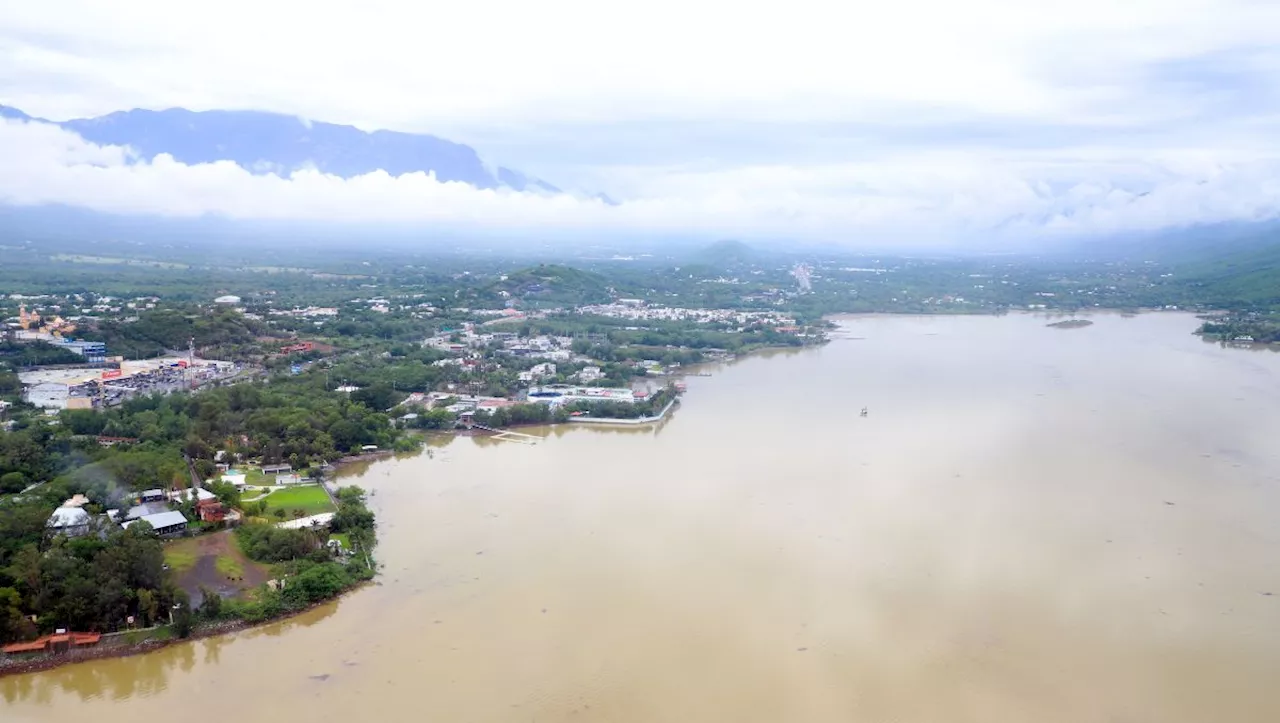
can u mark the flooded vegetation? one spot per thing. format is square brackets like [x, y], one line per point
[1028, 526]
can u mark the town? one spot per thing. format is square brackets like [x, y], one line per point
[197, 429]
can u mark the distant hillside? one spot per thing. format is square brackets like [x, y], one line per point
[1248, 278]
[725, 253]
[553, 284]
[271, 142]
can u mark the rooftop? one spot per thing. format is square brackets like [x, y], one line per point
[162, 520]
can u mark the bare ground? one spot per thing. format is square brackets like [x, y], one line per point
[207, 550]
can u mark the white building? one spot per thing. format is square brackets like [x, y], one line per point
[557, 394]
[200, 494]
[227, 300]
[69, 521]
[590, 374]
[164, 523]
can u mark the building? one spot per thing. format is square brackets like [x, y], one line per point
[137, 512]
[228, 299]
[231, 476]
[210, 511]
[277, 468]
[69, 521]
[47, 395]
[165, 524]
[590, 374]
[557, 395]
[199, 494]
[156, 495]
[59, 642]
[92, 351]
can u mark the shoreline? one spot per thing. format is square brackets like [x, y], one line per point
[10, 665]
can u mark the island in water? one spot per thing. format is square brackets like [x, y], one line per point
[1070, 324]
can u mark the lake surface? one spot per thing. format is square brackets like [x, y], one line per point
[1032, 525]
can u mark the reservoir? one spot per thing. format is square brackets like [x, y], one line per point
[1031, 524]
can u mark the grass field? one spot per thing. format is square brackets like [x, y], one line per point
[181, 555]
[311, 499]
[229, 566]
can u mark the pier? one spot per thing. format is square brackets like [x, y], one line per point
[508, 435]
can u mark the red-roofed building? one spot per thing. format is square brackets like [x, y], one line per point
[56, 643]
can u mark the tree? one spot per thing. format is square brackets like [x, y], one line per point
[147, 605]
[183, 620]
[13, 626]
[211, 607]
[13, 482]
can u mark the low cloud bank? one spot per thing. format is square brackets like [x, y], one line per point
[943, 198]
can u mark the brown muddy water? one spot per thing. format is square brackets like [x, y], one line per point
[1031, 525]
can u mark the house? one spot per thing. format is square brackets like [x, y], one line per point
[269, 469]
[288, 479]
[233, 477]
[165, 524]
[210, 511]
[590, 374]
[69, 521]
[156, 495]
[546, 369]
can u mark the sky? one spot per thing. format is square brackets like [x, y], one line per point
[936, 121]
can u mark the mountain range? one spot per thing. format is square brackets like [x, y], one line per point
[275, 143]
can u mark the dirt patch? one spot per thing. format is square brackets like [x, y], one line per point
[219, 565]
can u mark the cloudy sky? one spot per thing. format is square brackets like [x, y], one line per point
[845, 121]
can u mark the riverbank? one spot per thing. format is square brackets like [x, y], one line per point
[358, 458]
[163, 637]
[636, 421]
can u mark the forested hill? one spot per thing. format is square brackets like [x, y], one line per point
[547, 284]
[1246, 279]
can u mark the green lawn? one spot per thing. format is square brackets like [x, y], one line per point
[180, 557]
[229, 566]
[311, 499]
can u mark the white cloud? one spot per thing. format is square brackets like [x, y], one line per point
[909, 118]
[928, 198]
